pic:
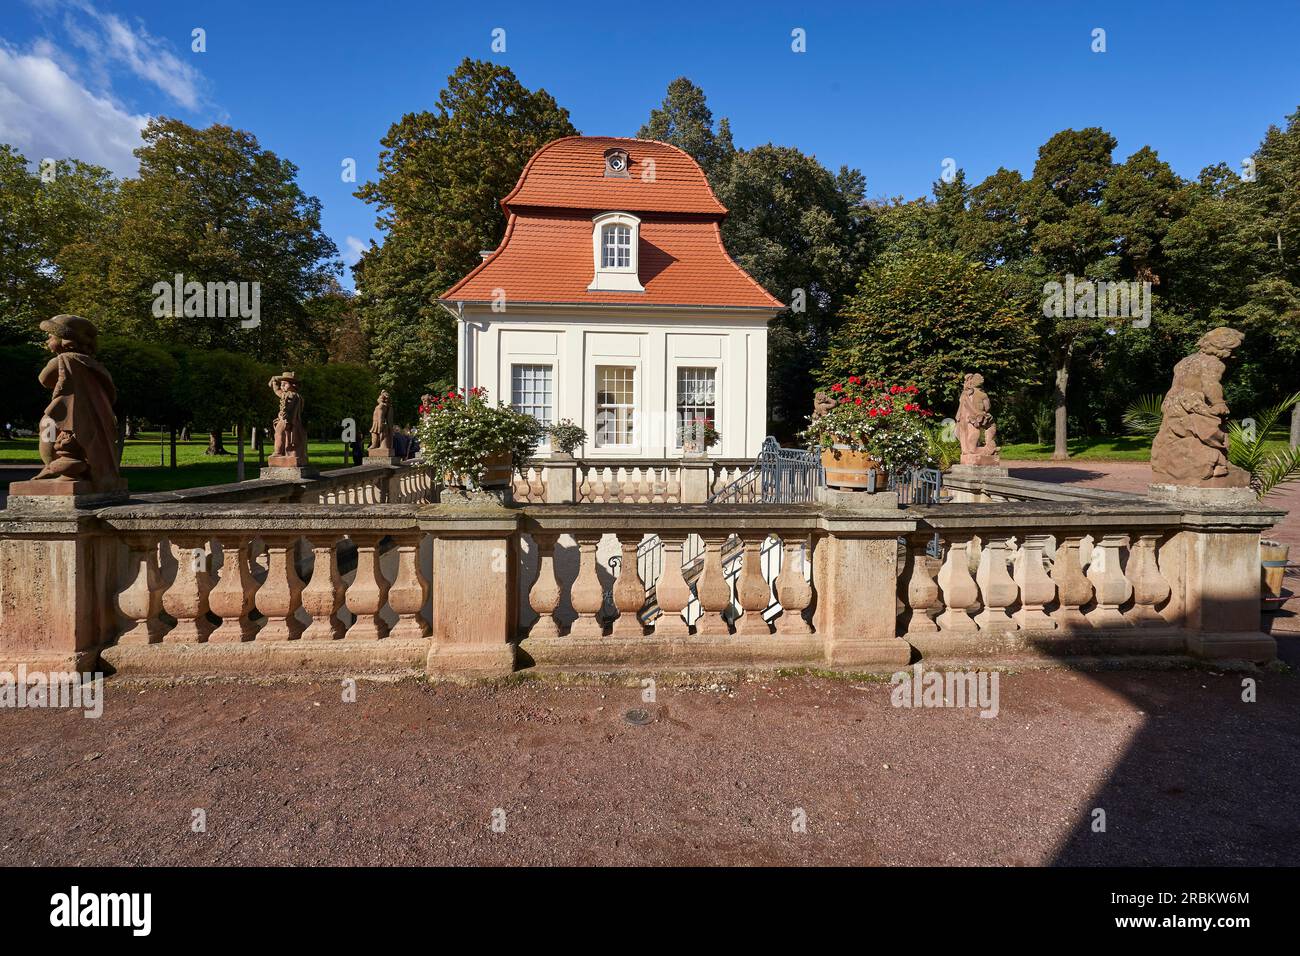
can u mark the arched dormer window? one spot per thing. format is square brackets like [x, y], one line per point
[614, 240]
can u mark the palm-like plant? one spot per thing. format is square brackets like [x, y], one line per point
[1144, 415]
[1246, 450]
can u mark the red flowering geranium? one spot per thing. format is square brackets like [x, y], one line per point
[885, 421]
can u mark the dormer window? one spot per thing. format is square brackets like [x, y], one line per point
[614, 240]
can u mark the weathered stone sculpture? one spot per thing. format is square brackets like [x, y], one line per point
[381, 428]
[975, 423]
[822, 403]
[78, 432]
[290, 433]
[1191, 448]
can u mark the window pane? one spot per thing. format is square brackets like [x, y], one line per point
[531, 391]
[696, 396]
[615, 404]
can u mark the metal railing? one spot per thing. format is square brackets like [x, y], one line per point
[779, 476]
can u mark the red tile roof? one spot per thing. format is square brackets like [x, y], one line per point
[546, 255]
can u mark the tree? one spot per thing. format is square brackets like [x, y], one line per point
[214, 207]
[929, 317]
[144, 375]
[442, 175]
[685, 120]
[336, 392]
[805, 235]
[42, 213]
[215, 388]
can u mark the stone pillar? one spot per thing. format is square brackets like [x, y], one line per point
[186, 599]
[753, 593]
[57, 580]
[368, 593]
[323, 596]
[672, 593]
[561, 480]
[855, 577]
[1036, 589]
[629, 591]
[474, 588]
[697, 480]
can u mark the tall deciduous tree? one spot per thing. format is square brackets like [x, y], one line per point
[928, 317]
[213, 206]
[805, 235]
[685, 120]
[442, 175]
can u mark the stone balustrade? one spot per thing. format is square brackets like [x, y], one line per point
[624, 481]
[477, 588]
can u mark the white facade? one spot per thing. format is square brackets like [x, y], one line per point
[625, 374]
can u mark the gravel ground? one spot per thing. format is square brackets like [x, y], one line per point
[411, 773]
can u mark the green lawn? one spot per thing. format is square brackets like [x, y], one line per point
[1111, 448]
[141, 457]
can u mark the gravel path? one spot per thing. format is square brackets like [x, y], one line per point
[411, 773]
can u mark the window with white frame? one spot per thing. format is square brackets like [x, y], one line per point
[697, 396]
[616, 247]
[615, 239]
[615, 405]
[531, 391]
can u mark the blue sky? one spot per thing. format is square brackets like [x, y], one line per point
[891, 88]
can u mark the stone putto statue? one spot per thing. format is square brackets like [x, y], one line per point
[974, 422]
[822, 403]
[78, 439]
[381, 428]
[1191, 447]
[290, 433]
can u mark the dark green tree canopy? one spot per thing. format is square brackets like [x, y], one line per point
[685, 120]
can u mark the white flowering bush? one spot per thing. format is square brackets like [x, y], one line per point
[458, 431]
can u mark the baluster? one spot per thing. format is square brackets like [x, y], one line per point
[920, 587]
[958, 588]
[1073, 589]
[586, 595]
[187, 598]
[996, 588]
[712, 589]
[584, 486]
[1036, 588]
[537, 486]
[752, 590]
[629, 591]
[793, 592]
[280, 595]
[545, 595]
[369, 591]
[410, 590]
[658, 486]
[1110, 587]
[1149, 585]
[140, 601]
[672, 593]
[232, 598]
[323, 595]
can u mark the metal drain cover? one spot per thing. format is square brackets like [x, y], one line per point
[638, 716]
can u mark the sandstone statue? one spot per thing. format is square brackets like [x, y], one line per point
[381, 428]
[290, 432]
[1191, 447]
[976, 431]
[823, 402]
[78, 438]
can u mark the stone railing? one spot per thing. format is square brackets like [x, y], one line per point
[624, 481]
[477, 588]
[363, 484]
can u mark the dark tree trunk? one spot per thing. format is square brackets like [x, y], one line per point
[173, 444]
[239, 460]
[215, 444]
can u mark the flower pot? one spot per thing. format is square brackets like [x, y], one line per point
[852, 470]
[1272, 559]
[497, 470]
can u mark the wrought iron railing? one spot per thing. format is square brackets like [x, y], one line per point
[779, 476]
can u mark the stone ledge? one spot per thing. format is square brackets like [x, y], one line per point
[267, 658]
[641, 653]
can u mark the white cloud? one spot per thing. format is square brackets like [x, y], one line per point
[355, 248]
[110, 40]
[44, 112]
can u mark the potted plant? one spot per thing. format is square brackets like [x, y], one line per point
[697, 435]
[870, 427]
[566, 436]
[472, 443]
